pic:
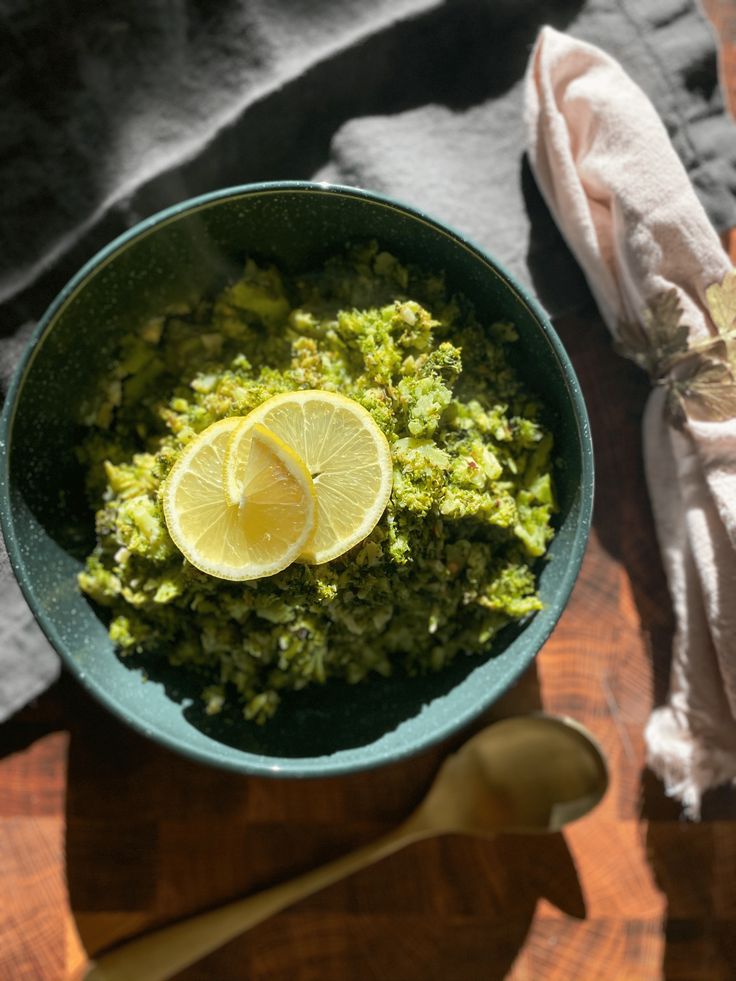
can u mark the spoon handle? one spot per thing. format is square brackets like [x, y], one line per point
[160, 954]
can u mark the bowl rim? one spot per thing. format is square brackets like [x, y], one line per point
[247, 762]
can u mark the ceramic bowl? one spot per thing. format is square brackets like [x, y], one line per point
[48, 527]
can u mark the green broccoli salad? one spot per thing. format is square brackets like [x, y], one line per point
[449, 564]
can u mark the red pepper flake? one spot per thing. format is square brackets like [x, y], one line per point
[472, 465]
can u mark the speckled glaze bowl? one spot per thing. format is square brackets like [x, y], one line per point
[48, 527]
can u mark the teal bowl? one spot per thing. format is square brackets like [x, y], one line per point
[193, 247]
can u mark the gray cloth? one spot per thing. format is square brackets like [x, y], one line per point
[28, 664]
[111, 111]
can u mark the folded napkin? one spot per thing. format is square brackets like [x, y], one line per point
[664, 285]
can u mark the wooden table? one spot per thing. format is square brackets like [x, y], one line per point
[103, 834]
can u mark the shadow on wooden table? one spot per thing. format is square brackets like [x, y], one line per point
[693, 865]
[152, 837]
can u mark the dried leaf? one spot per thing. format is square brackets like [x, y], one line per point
[717, 349]
[659, 338]
[731, 355]
[668, 336]
[631, 342]
[709, 393]
[675, 408]
[710, 348]
[700, 377]
[721, 301]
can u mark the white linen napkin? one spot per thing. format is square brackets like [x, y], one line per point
[664, 286]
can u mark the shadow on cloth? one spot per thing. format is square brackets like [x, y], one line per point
[689, 862]
[152, 837]
[287, 133]
[456, 54]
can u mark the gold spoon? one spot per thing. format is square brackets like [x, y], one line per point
[529, 774]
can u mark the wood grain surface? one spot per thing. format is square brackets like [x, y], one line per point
[103, 834]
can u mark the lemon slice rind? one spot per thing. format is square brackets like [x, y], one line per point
[261, 534]
[346, 454]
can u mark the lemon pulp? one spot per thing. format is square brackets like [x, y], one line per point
[346, 455]
[260, 533]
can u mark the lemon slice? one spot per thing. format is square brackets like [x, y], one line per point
[264, 530]
[346, 454]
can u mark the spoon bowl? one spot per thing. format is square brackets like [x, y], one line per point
[526, 775]
[529, 774]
